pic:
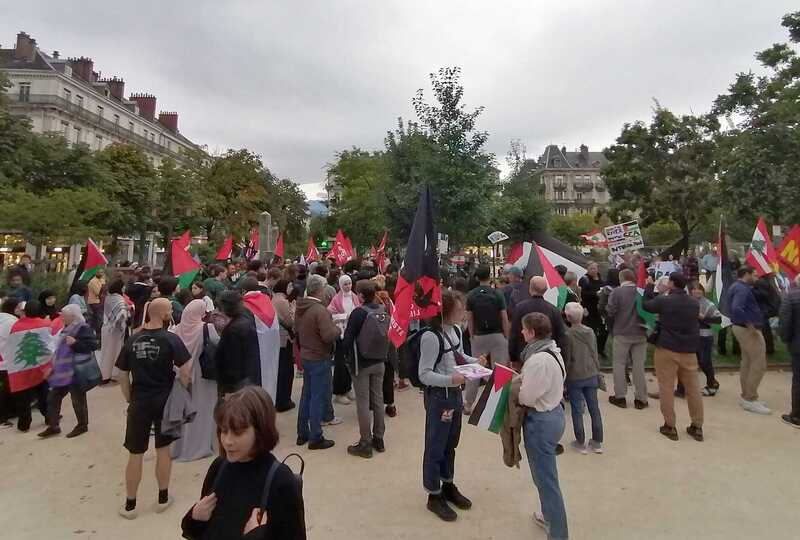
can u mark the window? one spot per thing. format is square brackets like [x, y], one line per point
[25, 91]
[561, 211]
[79, 100]
[130, 126]
[145, 133]
[116, 119]
[579, 196]
[100, 111]
[67, 96]
[77, 132]
[152, 137]
[98, 141]
[65, 128]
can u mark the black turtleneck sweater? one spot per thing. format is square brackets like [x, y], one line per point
[239, 490]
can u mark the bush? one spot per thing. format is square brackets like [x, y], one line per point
[55, 281]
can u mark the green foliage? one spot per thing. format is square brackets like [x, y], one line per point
[569, 229]
[58, 282]
[664, 233]
[758, 157]
[521, 208]
[665, 171]
[287, 205]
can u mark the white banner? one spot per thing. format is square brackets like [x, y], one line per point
[624, 237]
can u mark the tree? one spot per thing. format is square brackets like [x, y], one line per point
[31, 350]
[758, 156]
[569, 229]
[445, 151]
[176, 205]
[287, 205]
[665, 171]
[15, 133]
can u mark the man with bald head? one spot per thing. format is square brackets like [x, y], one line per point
[148, 358]
[536, 304]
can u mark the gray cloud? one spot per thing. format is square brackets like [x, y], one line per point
[297, 82]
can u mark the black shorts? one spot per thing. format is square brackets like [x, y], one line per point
[142, 416]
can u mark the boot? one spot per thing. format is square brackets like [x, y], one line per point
[49, 432]
[451, 494]
[360, 450]
[438, 506]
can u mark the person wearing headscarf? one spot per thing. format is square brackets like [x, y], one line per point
[116, 319]
[47, 300]
[197, 438]
[76, 342]
[342, 305]
[284, 308]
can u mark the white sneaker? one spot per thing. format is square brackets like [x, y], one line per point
[127, 514]
[160, 508]
[595, 447]
[754, 407]
[579, 447]
[335, 422]
[342, 400]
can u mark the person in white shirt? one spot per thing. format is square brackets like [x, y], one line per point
[542, 388]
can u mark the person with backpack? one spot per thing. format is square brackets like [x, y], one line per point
[488, 327]
[366, 342]
[440, 349]
[247, 493]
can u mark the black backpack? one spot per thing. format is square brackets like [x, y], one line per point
[485, 311]
[414, 341]
[373, 339]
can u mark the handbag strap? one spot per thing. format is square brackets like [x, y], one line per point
[551, 353]
[268, 484]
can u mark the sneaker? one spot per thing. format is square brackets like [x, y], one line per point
[391, 411]
[669, 432]
[640, 404]
[322, 444]
[301, 441]
[538, 518]
[754, 407]
[351, 395]
[162, 507]
[377, 444]
[79, 430]
[595, 447]
[342, 400]
[695, 432]
[579, 447]
[451, 494]
[709, 391]
[50, 432]
[791, 420]
[127, 514]
[360, 450]
[335, 421]
[439, 506]
[622, 403]
[559, 449]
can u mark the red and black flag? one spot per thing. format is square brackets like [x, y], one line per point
[724, 276]
[418, 294]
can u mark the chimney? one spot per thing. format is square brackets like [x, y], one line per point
[82, 67]
[26, 48]
[169, 120]
[564, 150]
[116, 86]
[584, 150]
[56, 55]
[147, 105]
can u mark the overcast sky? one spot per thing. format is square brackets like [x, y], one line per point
[299, 81]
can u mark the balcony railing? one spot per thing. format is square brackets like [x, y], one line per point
[94, 119]
[583, 185]
[559, 185]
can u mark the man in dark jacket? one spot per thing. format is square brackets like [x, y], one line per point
[237, 359]
[790, 334]
[316, 333]
[748, 319]
[768, 298]
[676, 353]
[536, 304]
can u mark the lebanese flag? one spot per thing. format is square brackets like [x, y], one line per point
[723, 278]
[492, 406]
[595, 238]
[225, 250]
[279, 246]
[28, 353]
[641, 283]
[312, 253]
[269, 340]
[418, 294]
[789, 252]
[184, 266]
[540, 265]
[340, 250]
[761, 254]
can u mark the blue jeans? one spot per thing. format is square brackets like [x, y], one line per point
[443, 412]
[542, 431]
[316, 383]
[579, 391]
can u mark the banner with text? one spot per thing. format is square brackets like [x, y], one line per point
[624, 237]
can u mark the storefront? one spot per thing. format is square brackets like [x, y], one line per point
[12, 248]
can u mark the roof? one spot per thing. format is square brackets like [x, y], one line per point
[8, 61]
[559, 158]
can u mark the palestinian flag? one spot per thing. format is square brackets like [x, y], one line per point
[279, 249]
[92, 260]
[225, 250]
[761, 254]
[789, 252]
[185, 240]
[540, 265]
[723, 278]
[492, 406]
[641, 283]
[184, 266]
[28, 352]
[418, 294]
[312, 253]
[515, 256]
[268, 332]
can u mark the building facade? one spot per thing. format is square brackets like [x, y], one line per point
[571, 181]
[67, 96]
